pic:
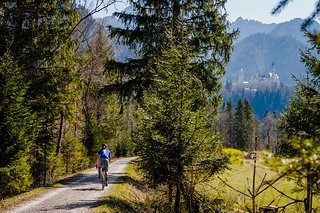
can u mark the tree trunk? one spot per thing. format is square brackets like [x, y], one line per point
[170, 199]
[177, 198]
[67, 163]
[169, 207]
[18, 16]
[58, 147]
[254, 177]
[308, 200]
[45, 163]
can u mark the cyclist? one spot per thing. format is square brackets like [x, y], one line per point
[103, 160]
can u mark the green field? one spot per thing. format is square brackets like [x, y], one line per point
[240, 177]
[133, 195]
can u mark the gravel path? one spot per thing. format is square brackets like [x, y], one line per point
[79, 195]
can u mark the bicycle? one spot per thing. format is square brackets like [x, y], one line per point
[102, 177]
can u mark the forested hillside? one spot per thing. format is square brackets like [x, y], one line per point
[263, 101]
[259, 45]
[255, 54]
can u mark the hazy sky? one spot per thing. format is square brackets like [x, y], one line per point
[259, 10]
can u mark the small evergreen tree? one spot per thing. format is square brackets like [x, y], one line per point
[239, 130]
[250, 123]
[174, 140]
[244, 126]
[301, 125]
[73, 154]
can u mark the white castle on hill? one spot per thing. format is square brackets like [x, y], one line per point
[268, 80]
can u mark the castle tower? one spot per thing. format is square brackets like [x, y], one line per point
[240, 76]
[273, 71]
[274, 76]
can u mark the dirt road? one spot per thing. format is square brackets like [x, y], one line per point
[80, 195]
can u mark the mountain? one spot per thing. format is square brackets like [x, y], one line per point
[256, 48]
[256, 54]
[259, 45]
[250, 27]
[121, 52]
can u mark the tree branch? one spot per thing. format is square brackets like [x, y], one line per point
[233, 187]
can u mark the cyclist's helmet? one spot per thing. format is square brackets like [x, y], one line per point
[104, 146]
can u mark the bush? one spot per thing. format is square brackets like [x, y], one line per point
[15, 178]
[236, 156]
[121, 149]
[268, 159]
[74, 155]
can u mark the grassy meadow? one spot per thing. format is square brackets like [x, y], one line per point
[133, 195]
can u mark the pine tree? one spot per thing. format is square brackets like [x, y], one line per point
[301, 124]
[229, 136]
[204, 30]
[244, 126]
[174, 139]
[103, 121]
[240, 126]
[37, 34]
[98, 51]
[250, 123]
[18, 128]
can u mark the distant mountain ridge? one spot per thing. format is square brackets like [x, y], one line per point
[250, 27]
[256, 48]
[259, 45]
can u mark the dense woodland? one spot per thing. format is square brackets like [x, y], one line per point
[272, 100]
[62, 95]
[53, 116]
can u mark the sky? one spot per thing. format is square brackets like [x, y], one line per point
[259, 10]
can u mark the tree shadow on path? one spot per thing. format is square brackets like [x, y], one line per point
[120, 205]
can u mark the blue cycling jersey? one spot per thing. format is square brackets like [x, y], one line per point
[104, 153]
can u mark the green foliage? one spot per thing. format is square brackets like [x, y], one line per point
[92, 139]
[307, 162]
[302, 127]
[244, 127]
[121, 149]
[302, 116]
[276, 163]
[17, 129]
[104, 121]
[15, 177]
[174, 139]
[37, 34]
[235, 156]
[40, 94]
[204, 30]
[74, 154]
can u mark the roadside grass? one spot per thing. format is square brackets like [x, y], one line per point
[36, 192]
[129, 195]
[240, 177]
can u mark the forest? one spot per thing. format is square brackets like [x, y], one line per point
[62, 95]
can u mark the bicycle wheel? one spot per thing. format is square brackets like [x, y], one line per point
[102, 178]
